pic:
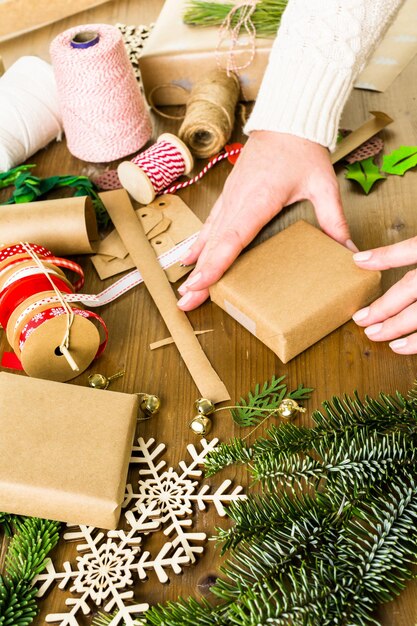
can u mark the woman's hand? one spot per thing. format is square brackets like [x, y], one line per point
[394, 314]
[272, 171]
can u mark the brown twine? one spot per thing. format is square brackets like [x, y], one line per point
[153, 106]
[210, 113]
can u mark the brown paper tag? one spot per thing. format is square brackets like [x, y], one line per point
[172, 218]
[356, 138]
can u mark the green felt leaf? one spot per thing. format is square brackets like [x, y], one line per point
[400, 160]
[365, 172]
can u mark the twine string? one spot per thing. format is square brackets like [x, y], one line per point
[65, 343]
[162, 163]
[210, 114]
[244, 10]
[110, 180]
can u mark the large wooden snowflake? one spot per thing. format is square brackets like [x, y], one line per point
[165, 500]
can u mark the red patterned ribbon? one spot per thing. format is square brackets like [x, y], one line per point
[43, 316]
[70, 265]
[20, 291]
[18, 248]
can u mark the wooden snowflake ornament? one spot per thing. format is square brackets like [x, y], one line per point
[164, 500]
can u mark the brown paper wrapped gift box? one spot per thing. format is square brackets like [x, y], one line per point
[294, 289]
[64, 450]
[175, 55]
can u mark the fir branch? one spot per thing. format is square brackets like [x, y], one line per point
[232, 453]
[17, 604]
[29, 548]
[256, 515]
[25, 558]
[353, 460]
[185, 613]
[266, 17]
[269, 397]
[330, 554]
[8, 521]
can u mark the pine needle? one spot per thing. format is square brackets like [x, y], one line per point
[266, 17]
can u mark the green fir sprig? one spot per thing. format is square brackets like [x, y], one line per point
[32, 540]
[265, 398]
[266, 16]
[333, 532]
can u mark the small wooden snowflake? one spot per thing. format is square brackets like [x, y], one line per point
[165, 500]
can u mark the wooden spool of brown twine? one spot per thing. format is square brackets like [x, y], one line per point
[210, 114]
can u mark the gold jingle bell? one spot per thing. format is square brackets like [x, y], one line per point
[150, 404]
[200, 425]
[288, 408]
[98, 381]
[204, 406]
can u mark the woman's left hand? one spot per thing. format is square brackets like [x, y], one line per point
[393, 317]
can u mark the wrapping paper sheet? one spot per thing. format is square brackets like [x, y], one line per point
[397, 49]
[64, 450]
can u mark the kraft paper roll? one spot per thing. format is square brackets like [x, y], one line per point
[40, 359]
[66, 226]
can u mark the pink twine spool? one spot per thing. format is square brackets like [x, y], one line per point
[151, 171]
[104, 113]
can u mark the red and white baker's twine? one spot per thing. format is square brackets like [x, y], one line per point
[162, 163]
[162, 169]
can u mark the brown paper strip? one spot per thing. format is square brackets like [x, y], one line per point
[175, 218]
[379, 121]
[131, 232]
[168, 340]
[397, 49]
[65, 226]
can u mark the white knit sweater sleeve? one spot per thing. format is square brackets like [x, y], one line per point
[320, 48]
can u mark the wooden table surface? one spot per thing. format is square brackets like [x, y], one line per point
[342, 362]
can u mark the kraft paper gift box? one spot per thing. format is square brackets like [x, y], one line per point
[294, 289]
[175, 55]
[64, 450]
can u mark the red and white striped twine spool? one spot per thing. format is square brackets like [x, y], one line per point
[154, 171]
[146, 175]
[162, 163]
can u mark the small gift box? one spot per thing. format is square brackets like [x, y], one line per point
[64, 450]
[175, 55]
[295, 288]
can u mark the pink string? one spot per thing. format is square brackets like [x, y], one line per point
[103, 111]
[228, 32]
[163, 163]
